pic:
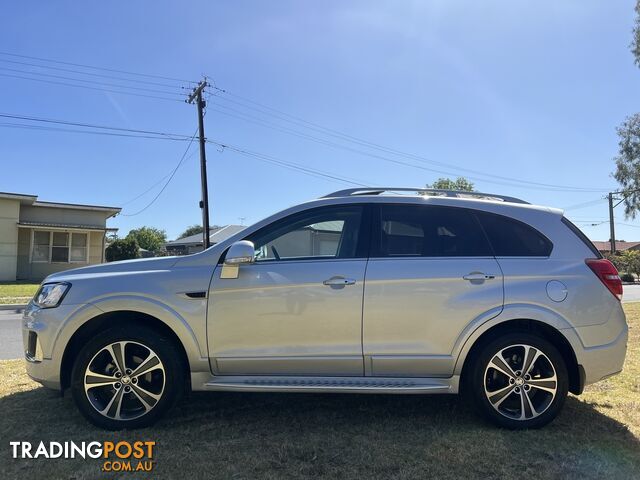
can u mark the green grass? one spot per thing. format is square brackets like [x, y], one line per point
[15, 293]
[273, 436]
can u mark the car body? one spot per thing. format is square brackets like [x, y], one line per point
[374, 291]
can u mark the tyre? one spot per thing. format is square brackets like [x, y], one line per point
[127, 377]
[518, 381]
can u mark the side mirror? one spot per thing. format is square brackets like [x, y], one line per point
[239, 253]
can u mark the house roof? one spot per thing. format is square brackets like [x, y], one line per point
[620, 245]
[216, 235]
[32, 200]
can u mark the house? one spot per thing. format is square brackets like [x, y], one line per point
[193, 243]
[621, 246]
[39, 238]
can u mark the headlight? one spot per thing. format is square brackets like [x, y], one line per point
[51, 294]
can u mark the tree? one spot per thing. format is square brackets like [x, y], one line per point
[149, 238]
[122, 249]
[628, 163]
[635, 43]
[628, 158]
[460, 184]
[192, 230]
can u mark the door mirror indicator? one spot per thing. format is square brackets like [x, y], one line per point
[239, 253]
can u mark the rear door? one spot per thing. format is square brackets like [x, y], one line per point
[431, 273]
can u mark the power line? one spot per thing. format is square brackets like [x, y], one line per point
[87, 132]
[101, 84]
[312, 138]
[66, 84]
[93, 67]
[92, 74]
[173, 172]
[336, 133]
[175, 136]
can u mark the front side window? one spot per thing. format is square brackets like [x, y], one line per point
[429, 231]
[322, 233]
[59, 247]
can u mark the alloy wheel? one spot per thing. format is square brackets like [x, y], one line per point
[520, 382]
[124, 380]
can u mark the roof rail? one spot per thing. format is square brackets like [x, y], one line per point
[423, 191]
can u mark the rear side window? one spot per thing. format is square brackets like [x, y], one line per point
[512, 238]
[428, 231]
[583, 238]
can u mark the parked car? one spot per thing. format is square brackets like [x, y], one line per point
[383, 290]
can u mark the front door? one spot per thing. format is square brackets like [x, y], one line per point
[298, 309]
[430, 275]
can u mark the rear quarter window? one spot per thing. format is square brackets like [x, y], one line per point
[583, 238]
[513, 238]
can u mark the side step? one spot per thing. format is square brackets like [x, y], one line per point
[332, 384]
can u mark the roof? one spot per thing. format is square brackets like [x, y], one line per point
[216, 235]
[620, 245]
[32, 200]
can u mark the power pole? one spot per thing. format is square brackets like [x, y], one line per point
[612, 230]
[196, 95]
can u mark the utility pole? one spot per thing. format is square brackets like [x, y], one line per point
[612, 230]
[196, 95]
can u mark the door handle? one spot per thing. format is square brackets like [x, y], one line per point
[339, 281]
[476, 276]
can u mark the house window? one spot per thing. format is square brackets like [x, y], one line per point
[59, 247]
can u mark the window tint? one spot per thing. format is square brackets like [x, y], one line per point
[429, 231]
[512, 238]
[328, 232]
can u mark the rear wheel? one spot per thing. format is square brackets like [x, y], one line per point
[126, 377]
[518, 381]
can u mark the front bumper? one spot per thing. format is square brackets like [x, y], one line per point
[45, 335]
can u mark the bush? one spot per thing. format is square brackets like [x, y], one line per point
[628, 277]
[124, 249]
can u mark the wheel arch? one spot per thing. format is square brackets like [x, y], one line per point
[110, 319]
[540, 328]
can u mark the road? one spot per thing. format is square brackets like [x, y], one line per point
[11, 335]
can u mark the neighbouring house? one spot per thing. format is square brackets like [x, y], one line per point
[621, 246]
[194, 243]
[39, 238]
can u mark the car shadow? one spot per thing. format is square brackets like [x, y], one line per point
[406, 436]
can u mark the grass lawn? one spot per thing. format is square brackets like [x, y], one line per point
[246, 436]
[16, 293]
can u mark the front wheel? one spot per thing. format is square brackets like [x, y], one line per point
[518, 381]
[126, 377]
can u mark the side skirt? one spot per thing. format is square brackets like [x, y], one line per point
[248, 383]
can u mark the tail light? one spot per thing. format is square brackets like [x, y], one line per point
[607, 273]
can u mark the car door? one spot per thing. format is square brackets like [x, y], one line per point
[297, 310]
[431, 273]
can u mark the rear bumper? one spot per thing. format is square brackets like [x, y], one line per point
[602, 361]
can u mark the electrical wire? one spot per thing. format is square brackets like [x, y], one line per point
[93, 67]
[171, 175]
[100, 84]
[335, 133]
[92, 74]
[53, 82]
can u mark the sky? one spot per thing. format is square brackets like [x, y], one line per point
[523, 98]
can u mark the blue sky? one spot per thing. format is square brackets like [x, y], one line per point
[522, 90]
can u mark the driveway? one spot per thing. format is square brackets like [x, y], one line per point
[10, 335]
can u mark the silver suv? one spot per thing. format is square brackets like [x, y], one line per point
[385, 290]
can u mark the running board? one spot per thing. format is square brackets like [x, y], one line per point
[332, 384]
